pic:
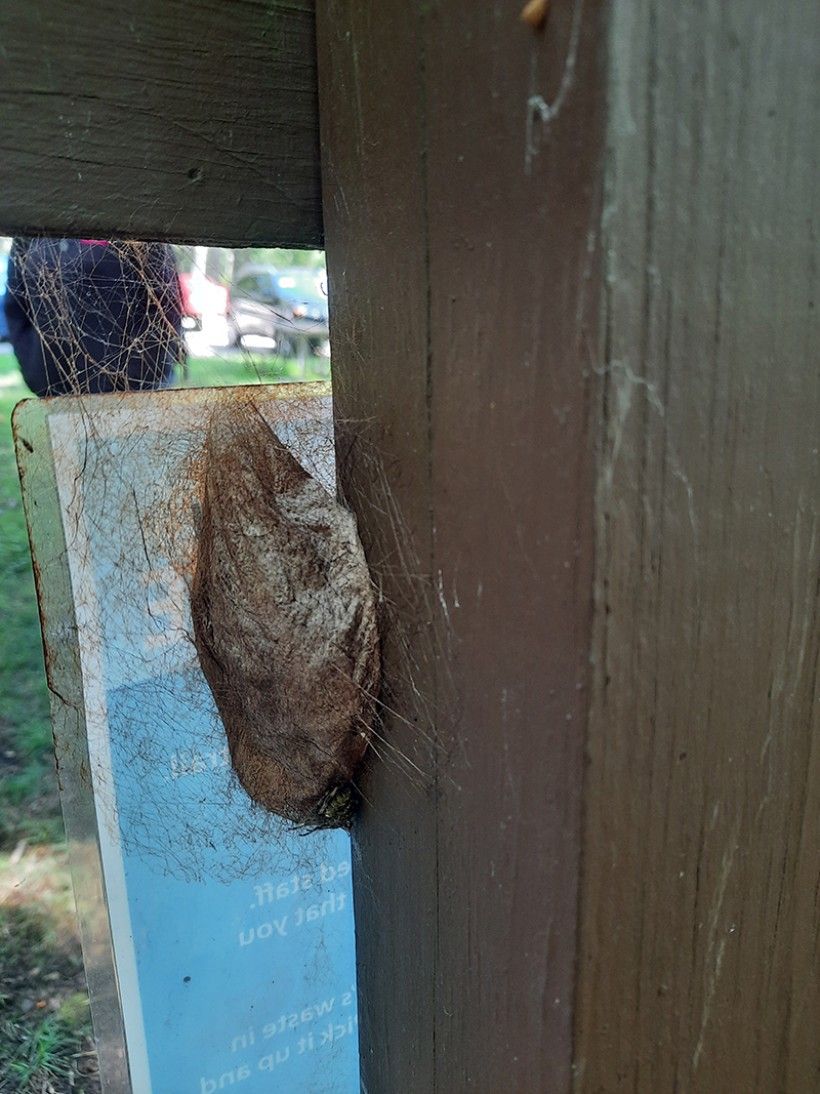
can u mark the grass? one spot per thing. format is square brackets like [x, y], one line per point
[252, 369]
[46, 1043]
[29, 805]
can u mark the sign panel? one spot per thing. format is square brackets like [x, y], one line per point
[219, 941]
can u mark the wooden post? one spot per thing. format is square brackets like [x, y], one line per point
[565, 480]
[462, 168]
[699, 961]
[573, 279]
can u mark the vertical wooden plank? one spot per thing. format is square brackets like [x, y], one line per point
[461, 154]
[372, 134]
[699, 957]
[513, 217]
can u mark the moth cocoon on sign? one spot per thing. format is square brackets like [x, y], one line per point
[284, 620]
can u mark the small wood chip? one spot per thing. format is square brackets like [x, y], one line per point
[535, 13]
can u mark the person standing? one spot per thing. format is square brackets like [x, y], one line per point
[87, 316]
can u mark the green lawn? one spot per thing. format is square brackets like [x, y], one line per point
[29, 808]
[44, 1023]
[251, 369]
[45, 1040]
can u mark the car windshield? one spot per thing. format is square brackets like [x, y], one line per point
[301, 286]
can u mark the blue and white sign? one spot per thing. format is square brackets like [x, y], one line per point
[231, 935]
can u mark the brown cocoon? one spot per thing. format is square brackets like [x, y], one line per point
[284, 622]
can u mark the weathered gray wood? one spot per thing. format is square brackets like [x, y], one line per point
[461, 248]
[160, 119]
[700, 920]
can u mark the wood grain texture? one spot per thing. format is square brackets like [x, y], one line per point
[461, 249]
[513, 211]
[700, 921]
[160, 119]
[371, 95]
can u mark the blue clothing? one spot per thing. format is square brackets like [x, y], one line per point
[4, 327]
[88, 316]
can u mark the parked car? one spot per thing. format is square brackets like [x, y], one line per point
[289, 306]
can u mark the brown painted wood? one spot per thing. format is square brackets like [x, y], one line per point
[372, 131]
[512, 210]
[160, 119]
[701, 847]
[461, 247]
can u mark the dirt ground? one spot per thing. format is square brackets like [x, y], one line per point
[45, 1029]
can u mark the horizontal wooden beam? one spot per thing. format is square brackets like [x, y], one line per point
[161, 119]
